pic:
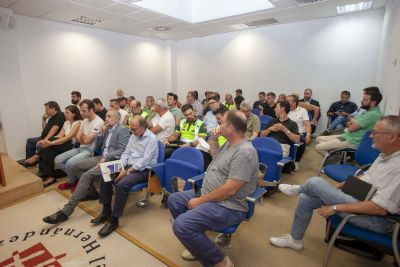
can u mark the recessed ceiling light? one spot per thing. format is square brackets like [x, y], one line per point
[87, 20]
[354, 7]
[161, 28]
[239, 26]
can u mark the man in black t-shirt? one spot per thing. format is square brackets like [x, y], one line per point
[268, 107]
[100, 110]
[282, 129]
[52, 122]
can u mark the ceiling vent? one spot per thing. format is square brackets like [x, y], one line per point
[261, 22]
[161, 28]
[87, 20]
[308, 1]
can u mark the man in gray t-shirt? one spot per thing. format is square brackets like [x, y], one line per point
[230, 178]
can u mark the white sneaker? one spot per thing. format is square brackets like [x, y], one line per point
[289, 189]
[296, 166]
[186, 255]
[286, 241]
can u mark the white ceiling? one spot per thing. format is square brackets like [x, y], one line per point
[122, 16]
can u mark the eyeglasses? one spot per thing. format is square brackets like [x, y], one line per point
[135, 129]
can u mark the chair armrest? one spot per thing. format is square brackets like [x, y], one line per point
[298, 144]
[155, 167]
[392, 217]
[333, 153]
[159, 170]
[256, 195]
[283, 161]
[196, 178]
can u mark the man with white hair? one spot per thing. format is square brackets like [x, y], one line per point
[253, 122]
[163, 124]
[327, 199]
[120, 93]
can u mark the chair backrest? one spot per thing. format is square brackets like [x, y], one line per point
[161, 152]
[189, 154]
[264, 119]
[267, 143]
[256, 111]
[269, 152]
[365, 153]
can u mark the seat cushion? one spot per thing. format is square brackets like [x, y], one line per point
[340, 172]
[229, 230]
[137, 187]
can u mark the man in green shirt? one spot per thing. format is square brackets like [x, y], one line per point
[229, 104]
[172, 99]
[136, 109]
[356, 127]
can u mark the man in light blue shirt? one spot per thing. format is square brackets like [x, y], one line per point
[209, 119]
[142, 151]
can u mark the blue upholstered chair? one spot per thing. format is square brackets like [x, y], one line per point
[270, 153]
[364, 156]
[264, 119]
[382, 242]
[185, 162]
[256, 111]
[224, 238]
[144, 202]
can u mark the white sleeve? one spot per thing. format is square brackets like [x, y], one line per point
[166, 122]
[97, 126]
[304, 114]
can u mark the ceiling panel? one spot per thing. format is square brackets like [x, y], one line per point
[144, 15]
[6, 3]
[95, 3]
[30, 9]
[121, 9]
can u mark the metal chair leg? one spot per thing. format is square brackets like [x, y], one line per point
[144, 202]
[223, 240]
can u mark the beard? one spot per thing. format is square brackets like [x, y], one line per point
[74, 102]
[366, 107]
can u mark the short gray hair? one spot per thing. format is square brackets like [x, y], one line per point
[115, 114]
[162, 103]
[245, 104]
[392, 122]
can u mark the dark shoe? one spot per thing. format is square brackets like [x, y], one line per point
[56, 218]
[108, 229]
[90, 197]
[325, 133]
[21, 161]
[45, 185]
[100, 219]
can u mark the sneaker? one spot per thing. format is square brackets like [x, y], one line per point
[286, 241]
[296, 166]
[186, 255]
[64, 186]
[289, 189]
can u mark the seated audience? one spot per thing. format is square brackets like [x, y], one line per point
[300, 116]
[356, 128]
[268, 107]
[187, 132]
[52, 122]
[339, 111]
[86, 136]
[219, 114]
[204, 101]
[142, 151]
[197, 106]
[113, 139]
[115, 105]
[261, 100]
[360, 110]
[163, 124]
[123, 102]
[318, 194]
[223, 195]
[209, 119]
[238, 100]
[229, 104]
[75, 98]
[239, 92]
[149, 106]
[100, 110]
[61, 143]
[136, 109]
[252, 120]
[311, 113]
[282, 129]
[120, 93]
[172, 99]
[281, 97]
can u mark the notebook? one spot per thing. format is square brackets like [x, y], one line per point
[358, 188]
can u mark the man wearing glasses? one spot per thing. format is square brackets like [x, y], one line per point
[316, 193]
[209, 119]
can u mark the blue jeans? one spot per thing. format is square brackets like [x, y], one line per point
[316, 192]
[68, 159]
[190, 225]
[338, 123]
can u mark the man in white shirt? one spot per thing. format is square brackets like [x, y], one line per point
[163, 124]
[300, 116]
[318, 194]
[197, 106]
[114, 104]
[86, 136]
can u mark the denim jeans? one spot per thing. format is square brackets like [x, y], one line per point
[338, 123]
[67, 160]
[316, 192]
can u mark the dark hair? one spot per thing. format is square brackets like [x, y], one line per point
[214, 97]
[173, 95]
[78, 94]
[295, 98]
[261, 93]
[97, 101]
[239, 91]
[238, 99]
[115, 100]
[235, 118]
[346, 93]
[221, 110]
[186, 107]
[73, 109]
[271, 94]
[192, 94]
[371, 89]
[196, 94]
[284, 104]
[308, 89]
[123, 98]
[53, 105]
[88, 102]
[375, 96]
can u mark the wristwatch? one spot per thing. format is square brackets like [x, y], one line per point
[334, 208]
[288, 132]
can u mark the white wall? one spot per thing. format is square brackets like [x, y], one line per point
[51, 59]
[388, 77]
[328, 55]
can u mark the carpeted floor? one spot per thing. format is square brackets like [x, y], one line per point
[250, 246]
